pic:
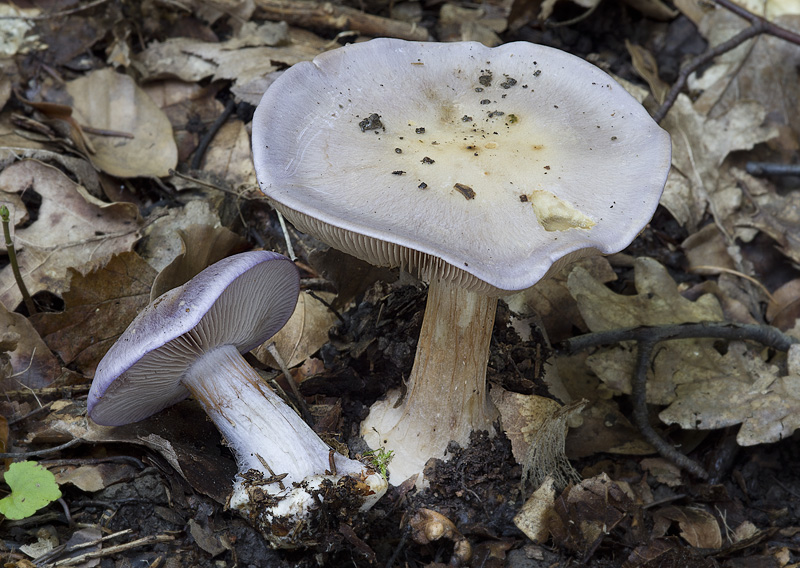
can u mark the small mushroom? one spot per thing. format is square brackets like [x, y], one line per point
[508, 178]
[190, 340]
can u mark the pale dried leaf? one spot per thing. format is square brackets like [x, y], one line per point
[108, 100]
[73, 230]
[745, 390]
[657, 302]
[699, 148]
[698, 527]
[534, 516]
[228, 157]
[201, 246]
[161, 243]
[304, 333]
[32, 363]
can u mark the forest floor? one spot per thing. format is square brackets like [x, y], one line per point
[125, 149]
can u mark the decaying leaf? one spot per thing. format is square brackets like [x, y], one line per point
[658, 302]
[551, 301]
[192, 60]
[537, 428]
[304, 333]
[228, 156]
[698, 527]
[586, 512]
[202, 246]
[99, 306]
[94, 477]
[161, 242]
[107, 100]
[31, 363]
[181, 434]
[73, 230]
[534, 517]
[699, 147]
[744, 390]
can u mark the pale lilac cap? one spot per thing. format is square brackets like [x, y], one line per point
[482, 166]
[242, 300]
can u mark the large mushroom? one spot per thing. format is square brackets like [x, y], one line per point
[477, 169]
[190, 341]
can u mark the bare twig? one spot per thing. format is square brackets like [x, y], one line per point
[73, 442]
[312, 14]
[212, 131]
[758, 26]
[770, 169]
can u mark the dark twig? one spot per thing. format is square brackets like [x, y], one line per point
[212, 131]
[771, 169]
[758, 26]
[764, 334]
[35, 453]
[647, 338]
[642, 419]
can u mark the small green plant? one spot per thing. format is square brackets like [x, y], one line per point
[379, 459]
[32, 487]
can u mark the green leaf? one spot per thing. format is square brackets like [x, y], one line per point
[32, 487]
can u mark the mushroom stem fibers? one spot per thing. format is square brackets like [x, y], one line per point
[446, 396]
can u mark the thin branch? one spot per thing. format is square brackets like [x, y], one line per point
[758, 26]
[647, 338]
[641, 416]
[764, 334]
[36, 453]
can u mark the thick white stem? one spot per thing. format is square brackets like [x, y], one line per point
[255, 422]
[265, 434]
[446, 397]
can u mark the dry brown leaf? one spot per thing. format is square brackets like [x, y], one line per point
[698, 527]
[587, 511]
[783, 311]
[193, 60]
[99, 306]
[73, 230]
[744, 390]
[551, 301]
[522, 416]
[645, 65]
[161, 242]
[32, 363]
[108, 100]
[304, 333]
[699, 148]
[776, 215]
[202, 246]
[764, 69]
[228, 157]
[534, 516]
[93, 477]
[657, 302]
[173, 433]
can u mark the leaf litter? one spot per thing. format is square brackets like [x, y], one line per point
[101, 123]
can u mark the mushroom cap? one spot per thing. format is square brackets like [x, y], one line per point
[458, 161]
[242, 300]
